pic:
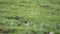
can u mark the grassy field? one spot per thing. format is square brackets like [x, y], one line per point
[43, 16]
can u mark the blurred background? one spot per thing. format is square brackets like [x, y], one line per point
[29, 16]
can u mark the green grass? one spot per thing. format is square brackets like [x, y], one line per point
[43, 16]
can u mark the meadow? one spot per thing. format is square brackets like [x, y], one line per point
[43, 16]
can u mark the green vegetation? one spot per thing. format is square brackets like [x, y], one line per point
[43, 16]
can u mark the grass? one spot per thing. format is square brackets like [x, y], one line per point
[43, 16]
